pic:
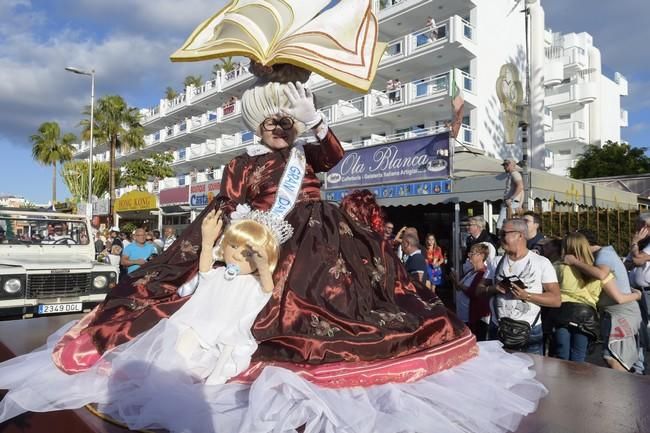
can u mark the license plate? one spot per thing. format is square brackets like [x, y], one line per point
[59, 308]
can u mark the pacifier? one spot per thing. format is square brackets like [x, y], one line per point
[232, 270]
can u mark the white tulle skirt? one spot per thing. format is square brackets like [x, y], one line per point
[146, 384]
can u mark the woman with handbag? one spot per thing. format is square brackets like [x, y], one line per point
[576, 322]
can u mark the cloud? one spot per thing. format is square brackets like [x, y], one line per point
[128, 60]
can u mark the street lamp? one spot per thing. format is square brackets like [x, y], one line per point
[91, 74]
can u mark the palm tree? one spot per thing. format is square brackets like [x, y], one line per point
[193, 80]
[226, 65]
[118, 125]
[50, 148]
[170, 93]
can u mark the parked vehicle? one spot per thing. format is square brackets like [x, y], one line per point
[48, 266]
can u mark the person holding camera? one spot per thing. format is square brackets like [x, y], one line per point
[138, 252]
[523, 282]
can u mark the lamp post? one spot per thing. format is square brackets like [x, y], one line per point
[91, 74]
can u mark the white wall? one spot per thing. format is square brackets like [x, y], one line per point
[610, 108]
[501, 39]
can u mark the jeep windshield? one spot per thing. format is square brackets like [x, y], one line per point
[42, 230]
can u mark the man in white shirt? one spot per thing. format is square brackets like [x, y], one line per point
[513, 196]
[538, 285]
[170, 237]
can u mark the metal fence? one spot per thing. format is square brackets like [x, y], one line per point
[612, 226]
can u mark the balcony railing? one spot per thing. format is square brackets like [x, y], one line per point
[566, 131]
[465, 136]
[221, 82]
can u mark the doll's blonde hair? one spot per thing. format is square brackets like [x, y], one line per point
[249, 232]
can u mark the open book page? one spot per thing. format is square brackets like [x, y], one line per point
[338, 41]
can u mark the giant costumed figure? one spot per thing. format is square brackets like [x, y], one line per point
[346, 342]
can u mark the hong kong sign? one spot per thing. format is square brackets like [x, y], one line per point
[202, 193]
[135, 201]
[417, 159]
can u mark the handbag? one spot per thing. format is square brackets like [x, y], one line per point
[514, 334]
[580, 316]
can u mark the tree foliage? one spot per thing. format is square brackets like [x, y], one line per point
[613, 159]
[118, 125]
[170, 93]
[75, 177]
[193, 80]
[138, 172]
[226, 65]
[50, 148]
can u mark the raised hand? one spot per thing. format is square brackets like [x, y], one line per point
[301, 105]
[261, 260]
[211, 227]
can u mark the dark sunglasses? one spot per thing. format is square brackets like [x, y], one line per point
[286, 123]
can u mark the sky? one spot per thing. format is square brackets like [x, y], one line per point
[128, 43]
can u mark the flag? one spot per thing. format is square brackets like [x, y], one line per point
[457, 105]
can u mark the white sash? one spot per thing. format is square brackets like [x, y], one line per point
[291, 182]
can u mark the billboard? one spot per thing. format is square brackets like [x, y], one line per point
[418, 159]
[202, 193]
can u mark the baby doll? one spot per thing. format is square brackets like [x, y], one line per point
[216, 339]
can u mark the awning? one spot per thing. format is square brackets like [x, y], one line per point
[174, 196]
[481, 178]
[175, 210]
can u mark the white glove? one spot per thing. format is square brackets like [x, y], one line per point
[301, 105]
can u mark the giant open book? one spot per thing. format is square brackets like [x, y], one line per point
[335, 39]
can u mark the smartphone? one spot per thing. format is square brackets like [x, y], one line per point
[514, 280]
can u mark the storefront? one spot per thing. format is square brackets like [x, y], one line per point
[139, 208]
[201, 194]
[174, 207]
[417, 185]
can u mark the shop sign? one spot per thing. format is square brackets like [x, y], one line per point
[417, 159]
[202, 193]
[434, 187]
[135, 201]
[174, 196]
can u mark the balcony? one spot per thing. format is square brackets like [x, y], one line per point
[572, 96]
[195, 100]
[396, 15]
[573, 132]
[416, 101]
[465, 136]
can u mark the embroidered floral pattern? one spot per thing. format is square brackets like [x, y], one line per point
[344, 229]
[187, 249]
[339, 269]
[256, 179]
[377, 271]
[322, 328]
[387, 318]
[146, 279]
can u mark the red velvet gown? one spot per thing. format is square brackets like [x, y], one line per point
[341, 293]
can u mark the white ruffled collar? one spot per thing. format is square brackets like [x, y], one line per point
[258, 149]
